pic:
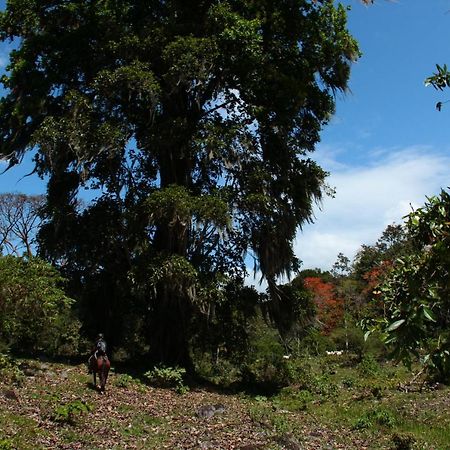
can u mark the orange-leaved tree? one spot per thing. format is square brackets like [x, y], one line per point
[330, 307]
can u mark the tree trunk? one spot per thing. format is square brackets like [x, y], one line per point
[172, 312]
[169, 331]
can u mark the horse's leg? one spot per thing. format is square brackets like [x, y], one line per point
[106, 373]
[94, 373]
[103, 375]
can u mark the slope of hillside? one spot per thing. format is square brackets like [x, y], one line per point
[54, 406]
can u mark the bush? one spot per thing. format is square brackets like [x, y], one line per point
[222, 372]
[380, 417]
[369, 366]
[299, 371]
[168, 377]
[323, 385]
[9, 370]
[70, 412]
[314, 344]
[375, 345]
[265, 367]
[35, 314]
[352, 336]
[415, 291]
[267, 374]
[293, 399]
[349, 382]
[124, 380]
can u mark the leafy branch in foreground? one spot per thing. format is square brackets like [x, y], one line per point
[416, 292]
[439, 80]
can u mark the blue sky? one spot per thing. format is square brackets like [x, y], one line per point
[386, 147]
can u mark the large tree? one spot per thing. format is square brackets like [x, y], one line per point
[193, 120]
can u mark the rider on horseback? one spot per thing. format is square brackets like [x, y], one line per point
[98, 349]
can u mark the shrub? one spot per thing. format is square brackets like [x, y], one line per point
[70, 412]
[369, 366]
[380, 417]
[375, 345]
[348, 382]
[362, 423]
[124, 380]
[265, 413]
[9, 370]
[35, 314]
[168, 377]
[299, 371]
[315, 344]
[322, 385]
[377, 391]
[223, 372]
[265, 367]
[416, 291]
[5, 361]
[352, 336]
[294, 399]
[266, 374]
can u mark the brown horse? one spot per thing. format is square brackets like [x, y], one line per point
[100, 364]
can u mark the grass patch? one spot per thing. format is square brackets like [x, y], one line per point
[18, 432]
[151, 431]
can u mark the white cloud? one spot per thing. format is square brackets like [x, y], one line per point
[368, 198]
[254, 279]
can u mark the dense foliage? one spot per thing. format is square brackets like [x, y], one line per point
[35, 314]
[416, 291]
[192, 121]
[397, 288]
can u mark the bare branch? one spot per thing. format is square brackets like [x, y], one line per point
[20, 217]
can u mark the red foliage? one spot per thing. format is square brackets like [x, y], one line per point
[374, 276]
[330, 308]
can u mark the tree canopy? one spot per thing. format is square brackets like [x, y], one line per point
[193, 121]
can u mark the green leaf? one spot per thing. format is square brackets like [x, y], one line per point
[428, 314]
[396, 324]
